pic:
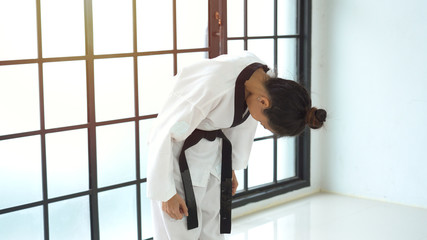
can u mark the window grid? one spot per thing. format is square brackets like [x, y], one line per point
[247, 195]
[302, 145]
[92, 124]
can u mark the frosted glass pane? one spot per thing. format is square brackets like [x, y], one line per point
[145, 127]
[240, 179]
[287, 59]
[70, 219]
[112, 26]
[63, 28]
[147, 224]
[235, 18]
[262, 132]
[20, 171]
[264, 49]
[117, 214]
[285, 157]
[235, 46]
[260, 169]
[19, 89]
[192, 23]
[67, 162]
[185, 59]
[114, 89]
[158, 36]
[286, 17]
[260, 18]
[115, 147]
[23, 224]
[155, 82]
[65, 94]
[18, 30]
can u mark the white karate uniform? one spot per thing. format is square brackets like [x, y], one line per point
[202, 98]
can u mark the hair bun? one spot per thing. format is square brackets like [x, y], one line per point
[315, 118]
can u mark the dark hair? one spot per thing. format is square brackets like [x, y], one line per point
[291, 108]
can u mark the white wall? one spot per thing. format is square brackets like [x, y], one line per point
[370, 72]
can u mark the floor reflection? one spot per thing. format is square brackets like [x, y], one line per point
[333, 217]
[290, 221]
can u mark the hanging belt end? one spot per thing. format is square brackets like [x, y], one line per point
[226, 197]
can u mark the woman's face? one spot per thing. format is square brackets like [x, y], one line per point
[256, 106]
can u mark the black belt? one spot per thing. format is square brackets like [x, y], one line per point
[226, 179]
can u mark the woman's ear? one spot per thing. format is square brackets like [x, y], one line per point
[264, 101]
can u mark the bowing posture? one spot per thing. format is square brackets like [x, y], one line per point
[205, 132]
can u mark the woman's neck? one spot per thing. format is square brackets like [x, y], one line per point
[255, 84]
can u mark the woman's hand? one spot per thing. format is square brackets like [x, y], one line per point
[234, 184]
[175, 207]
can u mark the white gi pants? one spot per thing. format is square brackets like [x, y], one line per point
[208, 206]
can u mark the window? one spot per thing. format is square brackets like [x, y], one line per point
[278, 31]
[76, 87]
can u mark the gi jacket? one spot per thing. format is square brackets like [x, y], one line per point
[202, 98]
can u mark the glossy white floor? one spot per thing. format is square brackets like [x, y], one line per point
[333, 217]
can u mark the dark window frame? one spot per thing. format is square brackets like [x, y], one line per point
[302, 145]
[217, 46]
[92, 124]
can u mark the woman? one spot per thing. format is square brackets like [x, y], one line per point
[205, 132]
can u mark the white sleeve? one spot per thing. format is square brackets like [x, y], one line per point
[175, 123]
[241, 138]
